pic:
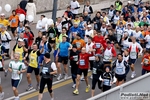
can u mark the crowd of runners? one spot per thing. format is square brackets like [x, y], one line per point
[108, 45]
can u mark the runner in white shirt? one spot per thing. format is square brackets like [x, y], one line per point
[74, 7]
[147, 39]
[16, 68]
[39, 25]
[89, 46]
[134, 52]
[128, 29]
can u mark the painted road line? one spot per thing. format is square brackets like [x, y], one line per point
[34, 94]
[34, 90]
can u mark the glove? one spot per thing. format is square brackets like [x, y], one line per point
[47, 73]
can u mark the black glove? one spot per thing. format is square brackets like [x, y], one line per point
[47, 73]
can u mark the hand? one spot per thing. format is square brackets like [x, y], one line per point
[23, 43]
[77, 63]
[111, 83]
[43, 27]
[72, 8]
[24, 58]
[19, 72]
[94, 22]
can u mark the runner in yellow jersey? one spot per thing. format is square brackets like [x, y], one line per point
[34, 65]
[21, 49]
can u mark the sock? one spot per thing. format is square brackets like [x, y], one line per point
[133, 72]
[60, 74]
[30, 85]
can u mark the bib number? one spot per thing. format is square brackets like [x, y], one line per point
[75, 58]
[119, 70]
[44, 70]
[14, 73]
[13, 20]
[98, 45]
[51, 35]
[82, 62]
[94, 71]
[106, 82]
[78, 44]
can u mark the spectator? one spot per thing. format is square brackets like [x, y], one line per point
[39, 25]
[23, 4]
[31, 9]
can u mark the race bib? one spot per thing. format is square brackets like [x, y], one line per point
[106, 82]
[78, 44]
[119, 70]
[75, 58]
[133, 53]
[94, 71]
[98, 45]
[146, 61]
[13, 20]
[106, 57]
[82, 62]
[44, 70]
[14, 73]
[51, 35]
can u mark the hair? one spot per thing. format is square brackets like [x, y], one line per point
[27, 27]
[69, 7]
[31, 1]
[13, 11]
[35, 44]
[43, 15]
[112, 6]
[17, 54]
[64, 28]
[120, 55]
[82, 16]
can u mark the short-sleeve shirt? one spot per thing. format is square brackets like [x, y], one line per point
[64, 49]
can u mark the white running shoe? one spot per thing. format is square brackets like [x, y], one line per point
[70, 66]
[2, 96]
[91, 77]
[74, 85]
[82, 78]
[17, 98]
[59, 77]
[52, 98]
[29, 88]
[66, 76]
[133, 75]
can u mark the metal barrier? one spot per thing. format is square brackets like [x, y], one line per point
[139, 84]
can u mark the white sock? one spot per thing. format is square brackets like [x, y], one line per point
[133, 72]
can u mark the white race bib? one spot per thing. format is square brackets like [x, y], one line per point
[14, 73]
[106, 82]
[82, 62]
[94, 71]
[98, 45]
[119, 70]
[75, 58]
[44, 70]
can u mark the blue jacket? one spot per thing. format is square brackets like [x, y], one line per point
[76, 30]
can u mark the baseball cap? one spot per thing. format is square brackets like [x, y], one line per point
[129, 1]
[20, 40]
[2, 14]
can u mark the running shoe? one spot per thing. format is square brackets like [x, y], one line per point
[29, 88]
[91, 77]
[82, 78]
[37, 87]
[87, 88]
[2, 96]
[66, 76]
[133, 75]
[52, 98]
[74, 85]
[76, 92]
[59, 77]
[17, 98]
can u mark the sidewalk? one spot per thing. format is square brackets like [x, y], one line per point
[102, 5]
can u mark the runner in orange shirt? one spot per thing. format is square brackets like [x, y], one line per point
[14, 20]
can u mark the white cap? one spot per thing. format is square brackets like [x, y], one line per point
[21, 40]
[129, 1]
[89, 26]
[75, 23]
[2, 14]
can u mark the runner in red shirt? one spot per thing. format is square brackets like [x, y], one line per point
[20, 11]
[100, 43]
[28, 36]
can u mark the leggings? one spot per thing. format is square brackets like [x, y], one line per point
[43, 83]
[94, 81]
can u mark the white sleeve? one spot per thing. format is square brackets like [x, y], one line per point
[141, 49]
[23, 66]
[126, 43]
[10, 64]
[8, 36]
[38, 26]
[114, 79]
[53, 66]
[1, 64]
[100, 78]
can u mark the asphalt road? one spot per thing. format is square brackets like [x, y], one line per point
[62, 90]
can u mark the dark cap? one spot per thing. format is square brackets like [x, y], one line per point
[74, 46]
[98, 55]
[47, 55]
